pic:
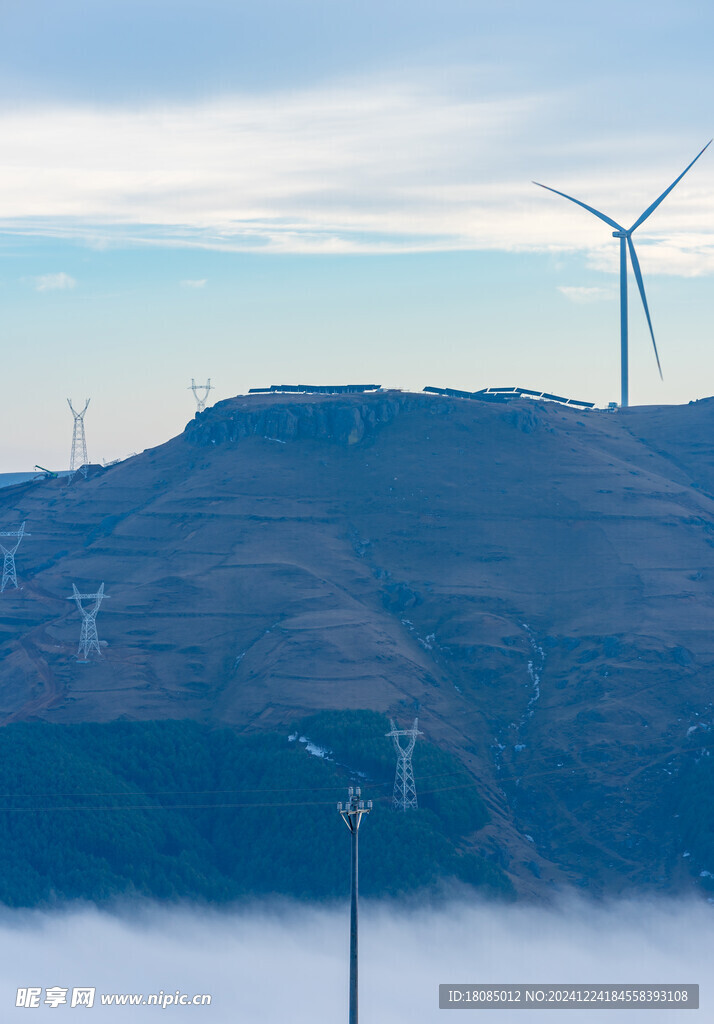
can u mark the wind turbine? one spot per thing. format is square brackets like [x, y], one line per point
[625, 236]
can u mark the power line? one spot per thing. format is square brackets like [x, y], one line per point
[564, 771]
[319, 789]
[223, 806]
[169, 807]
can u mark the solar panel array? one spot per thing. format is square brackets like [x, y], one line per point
[508, 394]
[484, 395]
[316, 389]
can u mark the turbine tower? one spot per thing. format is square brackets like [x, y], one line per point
[201, 399]
[626, 245]
[8, 569]
[405, 797]
[78, 459]
[88, 639]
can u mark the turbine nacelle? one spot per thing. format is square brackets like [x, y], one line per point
[621, 234]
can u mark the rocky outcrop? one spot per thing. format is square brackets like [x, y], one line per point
[339, 420]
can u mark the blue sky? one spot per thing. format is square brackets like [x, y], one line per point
[313, 191]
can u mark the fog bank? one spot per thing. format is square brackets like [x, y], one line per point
[275, 963]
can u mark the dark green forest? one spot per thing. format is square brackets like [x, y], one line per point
[692, 807]
[179, 810]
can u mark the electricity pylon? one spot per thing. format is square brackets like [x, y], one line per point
[405, 797]
[78, 459]
[88, 639]
[9, 575]
[351, 814]
[201, 401]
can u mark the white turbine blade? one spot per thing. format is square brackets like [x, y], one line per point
[640, 284]
[590, 209]
[655, 204]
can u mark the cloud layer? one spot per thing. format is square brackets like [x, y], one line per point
[375, 166]
[282, 962]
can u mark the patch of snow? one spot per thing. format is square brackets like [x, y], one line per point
[529, 838]
[519, 747]
[312, 748]
[316, 751]
[686, 853]
[705, 874]
[292, 737]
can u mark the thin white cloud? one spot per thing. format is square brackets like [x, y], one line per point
[53, 282]
[374, 166]
[201, 283]
[585, 295]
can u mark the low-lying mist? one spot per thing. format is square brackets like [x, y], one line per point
[276, 963]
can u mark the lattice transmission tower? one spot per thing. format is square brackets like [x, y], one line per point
[405, 797]
[201, 399]
[9, 575]
[88, 639]
[78, 460]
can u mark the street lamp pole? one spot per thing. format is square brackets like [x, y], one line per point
[351, 814]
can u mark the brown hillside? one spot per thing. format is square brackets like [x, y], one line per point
[537, 580]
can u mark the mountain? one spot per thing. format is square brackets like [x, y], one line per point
[536, 582]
